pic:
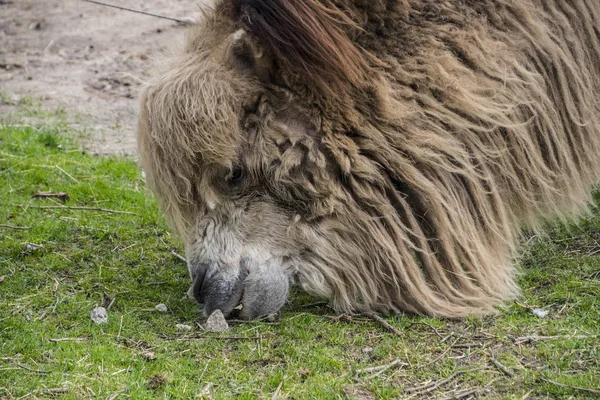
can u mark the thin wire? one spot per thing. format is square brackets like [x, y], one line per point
[137, 11]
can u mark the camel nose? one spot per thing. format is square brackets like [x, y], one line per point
[219, 286]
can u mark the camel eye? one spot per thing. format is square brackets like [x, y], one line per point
[236, 177]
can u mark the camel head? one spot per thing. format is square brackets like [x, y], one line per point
[242, 171]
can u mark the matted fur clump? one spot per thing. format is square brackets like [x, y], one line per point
[384, 154]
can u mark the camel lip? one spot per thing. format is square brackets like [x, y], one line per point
[198, 281]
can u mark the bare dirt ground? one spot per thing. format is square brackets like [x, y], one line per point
[89, 59]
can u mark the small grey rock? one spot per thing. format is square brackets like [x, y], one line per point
[538, 312]
[99, 315]
[216, 322]
[272, 317]
[161, 307]
[183, 327]
[149, 355]
[36, 26]
[367, 350]
[33, 246]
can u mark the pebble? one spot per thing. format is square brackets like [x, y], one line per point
[161, 307]
[216, 322]
[183, 327]
[538, 312]
[33, 246]
[99, 315]
[367, 350]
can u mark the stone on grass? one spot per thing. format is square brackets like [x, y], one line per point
[99, 315]
[161, 307]
[538, 312]
[183, 327]
[149, 355]
[216, 322]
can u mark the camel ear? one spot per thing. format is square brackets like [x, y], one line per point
[248, 56]
[310, 39]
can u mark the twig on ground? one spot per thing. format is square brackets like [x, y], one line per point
[17, 228]
[500, 366]
[60, 390]
[375, 317]
[37, 371]
[430, 387]
[589, 390]
[535, 338]
[62, 196]
[376, 371]
[260, 321]
[467, 345]
[106, 210]
[461, 395]
[201, 337]
[182, 258]
[81, 339]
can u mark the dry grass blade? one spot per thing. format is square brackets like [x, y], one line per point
[535, 338]
[202, 337]
[106, 210]
[57, 340]
[182, 258]
[276, 394]
[55, 391]
[37, 371]
[382, 368]
[24, 228]
[589, 390]
[467, 345]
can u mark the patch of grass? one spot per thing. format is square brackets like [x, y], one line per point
[57, 264]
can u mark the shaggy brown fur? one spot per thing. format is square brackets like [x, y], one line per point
[385, 152]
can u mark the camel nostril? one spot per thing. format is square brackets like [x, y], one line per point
[197, 288]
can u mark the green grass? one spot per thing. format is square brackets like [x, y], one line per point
[49, 292]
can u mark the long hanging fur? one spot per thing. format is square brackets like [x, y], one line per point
[467, 121]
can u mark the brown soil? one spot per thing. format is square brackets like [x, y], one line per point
[89, 59]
